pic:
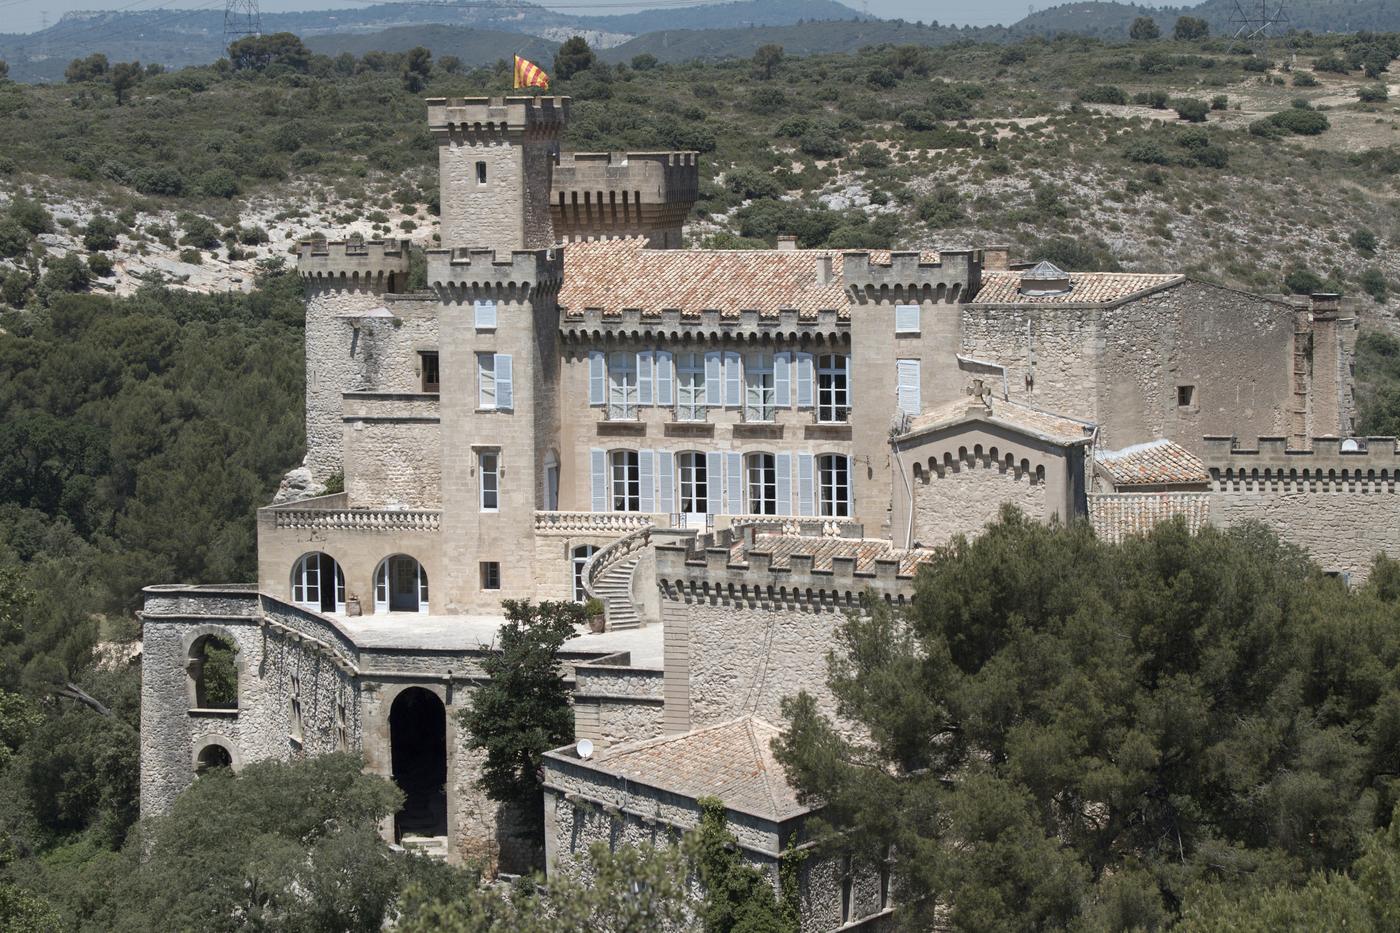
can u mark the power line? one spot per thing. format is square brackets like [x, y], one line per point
[241, 18]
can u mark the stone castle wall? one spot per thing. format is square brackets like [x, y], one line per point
[969, 494]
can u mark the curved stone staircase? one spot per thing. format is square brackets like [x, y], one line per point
[614, 588]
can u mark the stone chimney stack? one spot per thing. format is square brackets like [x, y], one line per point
[787, 243]
[996, 258]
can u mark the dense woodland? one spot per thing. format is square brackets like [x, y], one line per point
[1198, 733]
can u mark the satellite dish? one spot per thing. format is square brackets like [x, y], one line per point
[584, 749]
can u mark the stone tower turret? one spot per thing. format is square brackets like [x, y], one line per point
[496, 159]
[345, 285]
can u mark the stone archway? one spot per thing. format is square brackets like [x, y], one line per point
[418, 755]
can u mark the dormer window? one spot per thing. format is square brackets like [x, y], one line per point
[1045, 280]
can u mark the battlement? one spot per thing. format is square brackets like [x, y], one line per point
[495, 115]
[813, 562]
[597, 195]
[787, 325]
[478, 269]
[371, 260]
[1328, 461]
[954, 278]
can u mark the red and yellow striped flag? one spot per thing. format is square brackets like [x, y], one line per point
[528, 74]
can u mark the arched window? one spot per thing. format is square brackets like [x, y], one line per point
[400, 585]
[579, 558]
[212, 758]
[317, 583]
[213, 671]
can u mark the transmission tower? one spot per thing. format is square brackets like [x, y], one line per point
[1255, 25]
[241, 18]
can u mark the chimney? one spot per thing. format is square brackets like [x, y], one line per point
[1326, 302]
[996, 258]
[787, 243]
[824, 273]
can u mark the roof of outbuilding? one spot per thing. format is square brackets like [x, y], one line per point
[1046, 425]
[1085, 287]
[617, 275]
[732, 761]
[1120, 515]
[1154, 463]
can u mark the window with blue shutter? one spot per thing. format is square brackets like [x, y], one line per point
[598, 474]
[714, 472]
[733, 380]
[906, 319]
[505, 395]
[734, 482]
[714, 380]
[782, 381]
[783, 469]
[645, 362]
[907, 386]
[664, 369]
[597, 378]
[485, 314]
[666, 481]
[646, 475]
[804, 381]
[806, 499]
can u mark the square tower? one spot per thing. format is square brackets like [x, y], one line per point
[496, 160]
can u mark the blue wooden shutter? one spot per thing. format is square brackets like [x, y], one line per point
[598, 469]
[485, 314]
[644, 378]
[907, 382]
[597, 378]
[782, 468]
[714, 482]
[850, 487]
[906, 319]
[714, 381]
[735, 480]
[733, 380]
[665, 368]
[666, 475]
[806, 469]
[646, 478]
[804, 381]
[782, 382]
[505, 394]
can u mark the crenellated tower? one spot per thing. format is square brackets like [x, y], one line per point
[496, 158]
[345, 285]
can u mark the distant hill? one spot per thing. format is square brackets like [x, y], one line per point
[1111, 20]
[472, 46]
[676, 45]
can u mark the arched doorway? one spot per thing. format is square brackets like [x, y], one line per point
[317, 583]
[400, 585]
[418, 752]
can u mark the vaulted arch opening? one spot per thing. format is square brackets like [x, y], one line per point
[400, 585]
[418, 749]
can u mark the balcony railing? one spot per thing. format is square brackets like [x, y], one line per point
[616, 523]
[358, 519]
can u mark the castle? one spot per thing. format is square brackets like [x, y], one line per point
[726, 448]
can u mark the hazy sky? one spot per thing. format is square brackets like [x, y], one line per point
[27, 15]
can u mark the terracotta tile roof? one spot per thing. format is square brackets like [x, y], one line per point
[617, 275]
[865, 551]
[1159, 462]
[1085, 288]
[732, 761]
[1058, 428]
[1119, 515]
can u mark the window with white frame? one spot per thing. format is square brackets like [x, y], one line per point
[486, 380]
[622, 386]
[318, 583]
[489, 469]
[626, 481]
[762, 484]
[690, 387]
[694, 483]
[833, 388]
[580, 557]
[760, 391]
[834, 485]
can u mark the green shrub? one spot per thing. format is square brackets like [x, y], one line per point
[1372, 94]
[822, 141]
[1258, 65]
[1148, 153]
[1301, 281]
[1330, 63]
[1220, 102]
[870, 155]
[1157, 100]
[14, 239]
[252, 236]
[100, 264]
[200, 232]
[158, 180]
[1191, 109]
[218, 183]
[67, 274]
[1303, 79]
[1155, 63]
[1373, 283]
[100, 234]
[941, 208]
[31, 215]
[1300, 122]
[1363, 241]
[918, 120]
[192, 256]
[1103, 94]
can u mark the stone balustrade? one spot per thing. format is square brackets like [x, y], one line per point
[357, 519]
[581, 523]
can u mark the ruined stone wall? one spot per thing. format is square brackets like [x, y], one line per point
[969, 494]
